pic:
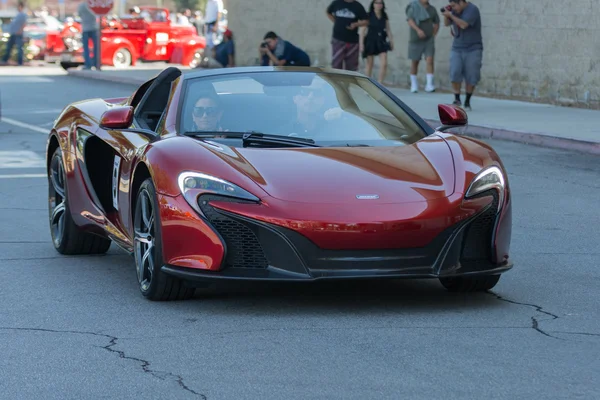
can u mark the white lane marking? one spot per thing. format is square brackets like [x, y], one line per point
[20, 176]
[19, 111]
[24, 79]
[21, 159]
[20, 124]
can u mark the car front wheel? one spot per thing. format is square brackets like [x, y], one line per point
[474, 284]
[154, 284]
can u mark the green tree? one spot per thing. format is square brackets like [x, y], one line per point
[191, 4]
[34, 4]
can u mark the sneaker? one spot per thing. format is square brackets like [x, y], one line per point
[467, 107]
[430, 88]
[457, 103]
[414, 89]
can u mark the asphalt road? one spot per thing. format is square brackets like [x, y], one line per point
[77, 327]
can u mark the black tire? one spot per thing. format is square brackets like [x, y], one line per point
[67, 237]
[466, 285]
[154, 284]
[68, 65]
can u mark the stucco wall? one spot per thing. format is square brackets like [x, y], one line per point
[540, 49]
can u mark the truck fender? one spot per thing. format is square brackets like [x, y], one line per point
[112, 44]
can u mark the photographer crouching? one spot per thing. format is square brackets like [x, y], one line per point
[278, 52]
[467, 47]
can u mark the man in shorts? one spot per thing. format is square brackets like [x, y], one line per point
[467, 48]
[424, 23]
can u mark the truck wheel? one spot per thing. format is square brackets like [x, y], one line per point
[122, 58]
[67, 65]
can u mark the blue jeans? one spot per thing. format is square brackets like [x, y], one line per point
[14, 40]
[209, 35]
[86, 37]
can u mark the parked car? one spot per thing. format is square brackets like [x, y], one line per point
[37, 30]
[127, 41]
[276, 174]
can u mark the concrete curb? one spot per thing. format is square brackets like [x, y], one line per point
[108, 77]
[536, 139]
[478, 132]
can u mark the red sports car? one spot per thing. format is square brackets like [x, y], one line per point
[290, 174]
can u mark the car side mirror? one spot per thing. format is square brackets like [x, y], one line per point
[117, 118]
[451, 116]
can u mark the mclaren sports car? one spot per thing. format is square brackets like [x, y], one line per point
[276, 174]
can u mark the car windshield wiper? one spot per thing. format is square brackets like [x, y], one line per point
[256, 137]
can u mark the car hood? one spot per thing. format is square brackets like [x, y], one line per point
[396, 174]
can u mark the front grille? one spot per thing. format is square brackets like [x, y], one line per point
[477, 242]
[243, 248]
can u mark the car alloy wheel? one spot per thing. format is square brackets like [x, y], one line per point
[154, 283]
[57, 199]
[144, 240]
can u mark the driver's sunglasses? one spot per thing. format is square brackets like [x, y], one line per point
[209, 111]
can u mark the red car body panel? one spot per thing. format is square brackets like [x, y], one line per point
[308, 191]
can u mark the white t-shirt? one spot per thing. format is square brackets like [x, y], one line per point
[213, 8]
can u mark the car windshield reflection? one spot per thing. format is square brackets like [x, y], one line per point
[333, 109]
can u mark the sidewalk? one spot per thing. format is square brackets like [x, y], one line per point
[538, 124]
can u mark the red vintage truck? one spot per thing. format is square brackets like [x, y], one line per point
[127, 40]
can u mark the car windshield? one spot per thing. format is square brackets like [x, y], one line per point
[330, 108]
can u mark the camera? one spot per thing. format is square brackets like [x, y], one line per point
[264, 45]
[447, 8]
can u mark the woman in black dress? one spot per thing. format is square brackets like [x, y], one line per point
[376, 38]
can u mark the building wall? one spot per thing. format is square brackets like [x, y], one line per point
[541, 49]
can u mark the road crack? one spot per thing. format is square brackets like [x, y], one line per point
[113, 341]
[578, 333]
[535, 323]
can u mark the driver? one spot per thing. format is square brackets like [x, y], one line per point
[207, 113]
[312, 117]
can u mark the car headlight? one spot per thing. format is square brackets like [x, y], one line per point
[73, 43]
[192, 184]
[73, 39]
[489, 178]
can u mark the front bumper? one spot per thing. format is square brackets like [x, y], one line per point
[256, 250]
[65, 57]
